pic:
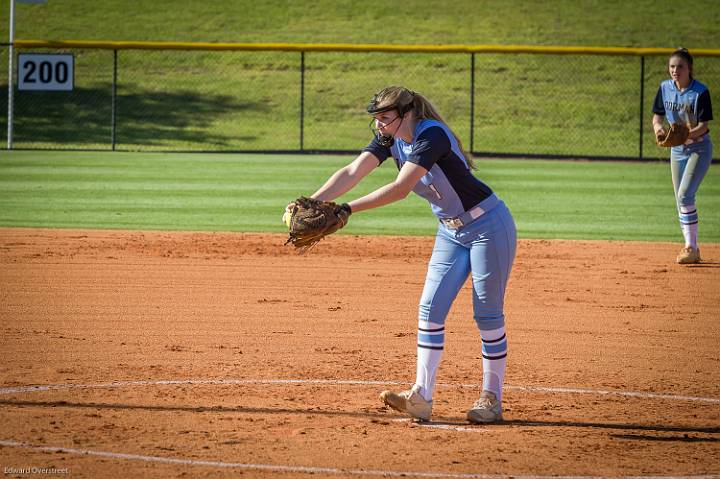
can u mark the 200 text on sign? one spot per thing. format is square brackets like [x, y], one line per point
[46, 72]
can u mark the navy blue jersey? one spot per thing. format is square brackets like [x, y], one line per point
[690, 106]
[449, 185]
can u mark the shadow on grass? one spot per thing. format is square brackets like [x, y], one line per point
[83, 117]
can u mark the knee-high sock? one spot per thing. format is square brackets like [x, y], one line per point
[494, 351]
[430, 345]
[689, 224]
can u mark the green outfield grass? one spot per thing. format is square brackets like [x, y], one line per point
[220, 192]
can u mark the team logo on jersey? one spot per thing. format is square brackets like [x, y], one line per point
[674, 106]
[680, 111]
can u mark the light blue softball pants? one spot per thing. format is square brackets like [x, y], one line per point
[485, 248]
[689, 164]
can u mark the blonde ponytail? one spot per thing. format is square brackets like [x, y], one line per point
[423, 108]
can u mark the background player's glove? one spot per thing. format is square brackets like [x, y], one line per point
[676, 135]
[310, 220]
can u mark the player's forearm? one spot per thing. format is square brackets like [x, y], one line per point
[338, 184]
[658, 122]
[384, 195]
[699, 130]
[347, 177]
[406, 180]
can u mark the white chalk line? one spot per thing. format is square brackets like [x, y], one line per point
[327, 470]
[449, 427]
[312, 469]
[337, 382]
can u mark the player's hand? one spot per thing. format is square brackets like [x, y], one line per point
[288, 213]
[660, 134]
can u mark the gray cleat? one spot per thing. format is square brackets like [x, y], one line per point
[410, 402]
[486, 409]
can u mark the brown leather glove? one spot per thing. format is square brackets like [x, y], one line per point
[676, 135]
[310, 220]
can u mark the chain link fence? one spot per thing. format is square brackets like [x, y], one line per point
[499, 104]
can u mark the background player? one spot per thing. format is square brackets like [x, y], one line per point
[476, 234]
[684, 99]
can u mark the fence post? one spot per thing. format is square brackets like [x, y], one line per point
[11, 54]
[642, 100]
[302, 100]
[472, 101]
[113, 111]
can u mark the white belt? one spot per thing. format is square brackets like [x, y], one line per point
[465, 218]
[699, 139]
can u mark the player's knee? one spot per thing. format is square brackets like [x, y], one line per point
[685, 198]
[428, 312]
[423, 312]
[486, 322]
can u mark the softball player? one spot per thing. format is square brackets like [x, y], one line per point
[684, 99]
[476, 236]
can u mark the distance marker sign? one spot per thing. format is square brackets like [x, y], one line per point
[46, 72]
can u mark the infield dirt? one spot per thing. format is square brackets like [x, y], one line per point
[242, 353]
